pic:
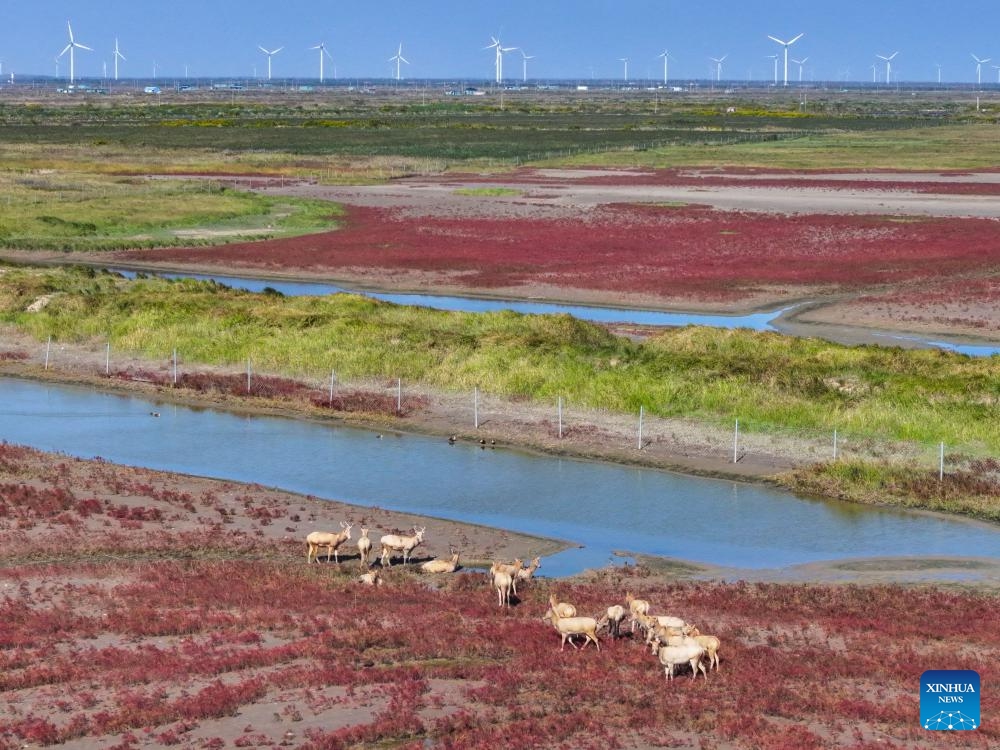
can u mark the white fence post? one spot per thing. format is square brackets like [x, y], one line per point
[835, 445]
[640, 427]
[560, 417]
[475, 407]
[48, 348]
[107, 361]
[248, 374]
[399, 395]
[941, 463]
[736, 441]
[333, 379]
[175, 365]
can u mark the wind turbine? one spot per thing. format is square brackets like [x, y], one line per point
[398, 58]
[997, 67]
[625, 60]
[979, 68]
[874, 72]
[322, 52]
[938, 66]
[270, 54]
[888, 66]
[73, 45]
[775, 58]
[499, 61]
[118, 56]
[800, 63]
[786, 45]
[718, 65]
[524, 64]
[666, 56]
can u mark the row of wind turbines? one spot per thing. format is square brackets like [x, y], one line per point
[500, 50]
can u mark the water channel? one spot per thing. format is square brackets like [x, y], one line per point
[601, 507]
[762, 321]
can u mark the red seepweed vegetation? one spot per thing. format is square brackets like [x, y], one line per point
[686, 252]
[196, 641]
[271, 387]
[219, 638]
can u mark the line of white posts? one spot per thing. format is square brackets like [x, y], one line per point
[475, 406]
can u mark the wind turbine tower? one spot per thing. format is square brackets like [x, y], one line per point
[71, 47]
[938, 66]
[499, 59]
[786, 45]
[718, 66]
[888, 66]
[775, 58]
[323, 52]
[800, 63]
[398, 58]
[524, 66]
[979, 68]
[270, 53]
[118, 56]
[625, 60]
[666, 70]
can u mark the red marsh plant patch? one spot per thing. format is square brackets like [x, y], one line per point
[647, 249]
[174, 648]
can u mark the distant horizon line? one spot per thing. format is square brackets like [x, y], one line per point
[489, 83]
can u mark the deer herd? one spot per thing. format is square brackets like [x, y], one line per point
[671, 639]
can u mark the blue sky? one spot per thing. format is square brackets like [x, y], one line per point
[574, 39]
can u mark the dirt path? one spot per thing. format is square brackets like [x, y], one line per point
[563, 196]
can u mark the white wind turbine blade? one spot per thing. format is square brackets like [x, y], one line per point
[793, 41]
[83, 46]
[774, 38]
[66, 49]
[70, 29]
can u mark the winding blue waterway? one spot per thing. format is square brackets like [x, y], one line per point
[602, 507]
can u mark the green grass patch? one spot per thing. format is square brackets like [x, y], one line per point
[74, 211]
[907, 147]
[971, 489]
[488, 191]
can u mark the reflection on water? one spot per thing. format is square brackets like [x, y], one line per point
[600, 506]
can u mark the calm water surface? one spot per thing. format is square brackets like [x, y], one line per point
[602, 507]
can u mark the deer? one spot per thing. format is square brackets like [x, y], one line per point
[571, 626]
[525, 574]
[441, 565]
[503, 582]
[372, 578]
[364, 547]
[636, 607]
[403, 544]
[318, 539]
[564, 608]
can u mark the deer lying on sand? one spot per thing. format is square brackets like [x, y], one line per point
[442, 565]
